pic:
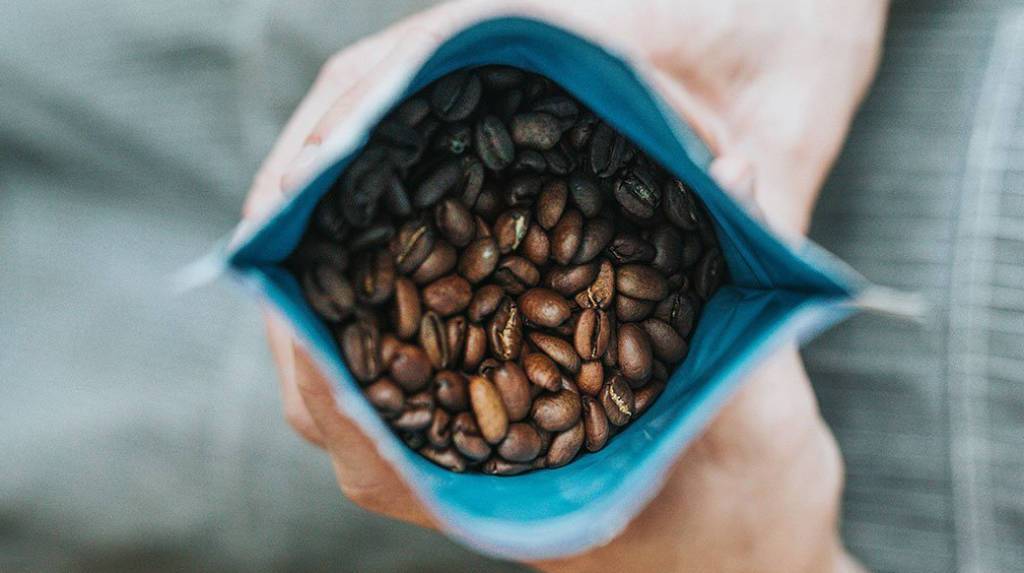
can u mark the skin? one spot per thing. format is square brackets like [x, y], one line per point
[771, 86]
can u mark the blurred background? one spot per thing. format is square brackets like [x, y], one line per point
[140, 431]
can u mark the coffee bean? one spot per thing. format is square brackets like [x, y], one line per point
[629, 248]
[456, 96]
[396, 198]
[510, 229]
[439, 262]
[476, 346]
[562, 107]
[372, 236]
[456, 329]
[389, 345]
[597, 233]
[444, 179]
[591, 377]
[536, 247]
[516, 275]
[659, 371]
[641, 282]
[544, 307]
[493, 143]
[455, 138]
[488, 206]
[467, 439]
[501, 78]
[439, 433]
[637, 195]
[691, 251]
[411, 111]
[635, 353]
[360, 344]
[523, 189]
[579, 134]
[375, 277]
[450, 388]
[570, 280]
[313, 251]
[617, 399]
[557, 411]
[412, 245]
[433, 338]
[479, 259]
[472, 181]
[595, 424]
[679, 310]
[328, 292]
[680, 206]
[668, 247]
[542, 371]
[500, 467]
[611, 356]
[607, 151]
[505, 331]
[488, 409]
[592, 331]
[386, 397]
[535, 130]
[529, 160]
[586, 194]
[414, 440]
[559, 161]
[630, 309]
[646, 396]
[551, 203]
[454, 221]
[564, 446]
[709, 274]
[418, 413]
[448, 295]
[566, 237]
[601, 292]
[514, 388]
[484, 302]
[406, 311]
[522, 443]
[666, 343]
[410, 367]
[557, 349]
[404, 144]
[448, 458]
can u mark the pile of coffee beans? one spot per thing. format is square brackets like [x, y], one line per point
[510, 279]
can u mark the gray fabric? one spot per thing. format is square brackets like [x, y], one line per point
[142, 431]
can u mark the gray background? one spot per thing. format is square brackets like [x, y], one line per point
[142, 431]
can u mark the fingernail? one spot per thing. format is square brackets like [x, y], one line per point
[300, 167]
[734, 174]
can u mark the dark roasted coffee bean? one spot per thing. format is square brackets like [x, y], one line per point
[557, 349]
[412, 245]
[505, 331]
[328, 292]
[635, 353]
[601, 292]
[559, 161]
[510, 229]
[410, 367]
[579, 134]
[405, 315]
[680, 207]
[450, 389]
[629, 309]
[617, 399]
[709, 274]
[454, 221]
[411, 111]
[536, 247]
[629, 248]
[488, 409]
[586, 194]
[542, 371]
[467, 439]
[659, 371]
[679, 310]
[448, 295]
[439, 262]
[314, 251]
[566, 237]
[559, 106]
[571, 280]
[493, 143]
[472, 181]
[396, 198]
[362, 186]
[556, 411]
[509, 103]
[479, 259]
[646, 396]
[454, 139]
[514, 388]
[501, 78]
[551, 203]
[455, 332]
[372, 236]
[544, 307]
[666, 343]
[637, 194]
[592, 331]
[595, 424]
[439, 433]
[386, 397]
[535, 87]
[516, 274]
[441, 181]
[375, 277]
[500, 467]
[607, 151]
[522, 189]
[415, 440]
[529, 160]
[597, 233]
[455, 96]
[522, 443]
[564, 446]
[404, 144]
[433, 340]
[484, 302]
[668, 247]
[692, 249]
[535, 130]
[476, 346]
[641, 282]
[448, 458]
[591, 377]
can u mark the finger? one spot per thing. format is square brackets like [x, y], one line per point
[279, 338]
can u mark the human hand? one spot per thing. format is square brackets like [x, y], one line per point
[771, 89]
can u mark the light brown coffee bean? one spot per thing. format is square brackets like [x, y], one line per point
[386, 397]
[505, 331]
[566, 237]
[536, 246]
[456, 329]
[412, 244]
[641, 282]
[629, 309]
[454, 221]
[467, 439]
[488, 409]
[406, 312]
[544, 307]
[570, 280]
[450, 388]
[522, 443]
[542, 371]
[551, 203]
[410, 368]
[593, 329]
[360, 344]
[433, 339]
[389, 345]
[635, 353]
[557, 411]
[646, 396]
[448, 458]
[515, 274]
[510, 229]
[601, 292]
[617, 399]
[564, 446]
[328, 291]
[448, 295]
[439, 262]
[489, 203]
[439, 433]
[418, 413]
[514, 388]
[629, 248]
[557, 349]
[500, 467]
[476, 346]
[479, 259]
[595, 424]
[665, 341]
[591, 377]
[484, 302]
